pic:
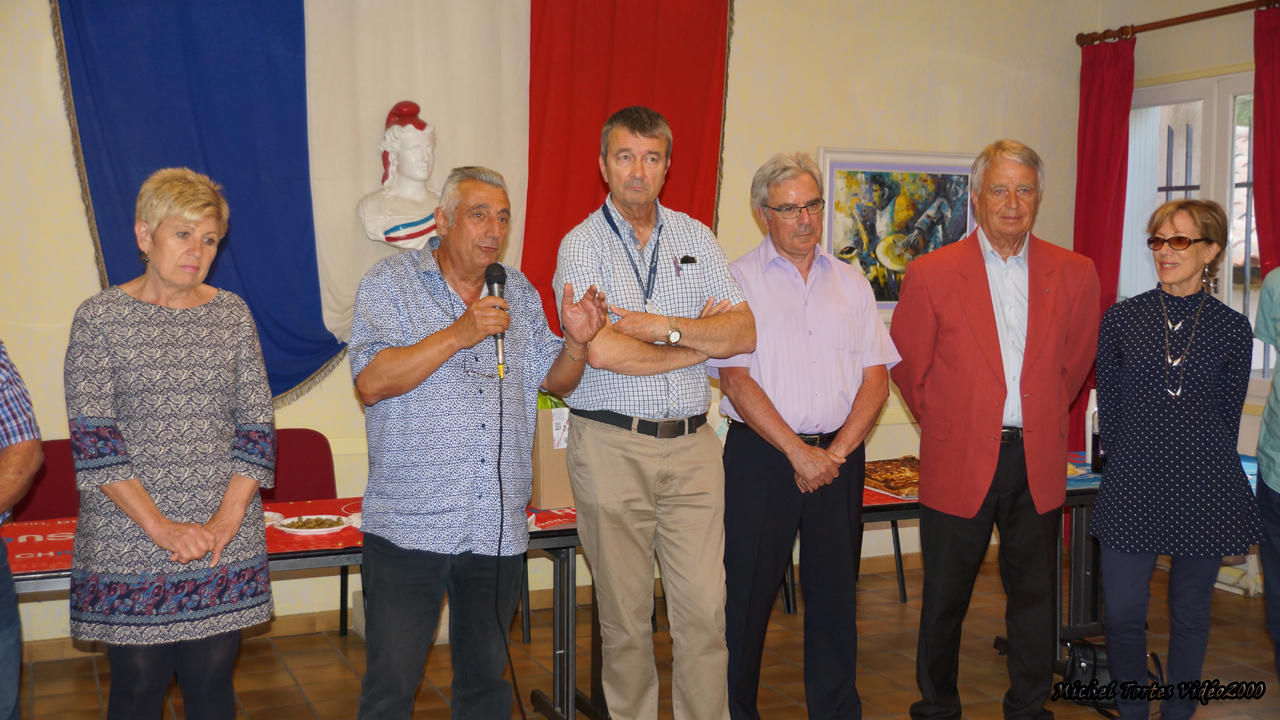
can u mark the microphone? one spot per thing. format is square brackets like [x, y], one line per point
[495, 278]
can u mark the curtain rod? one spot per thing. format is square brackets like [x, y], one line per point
[1128, 31]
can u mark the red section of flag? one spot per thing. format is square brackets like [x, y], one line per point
[589, 59]
[411, 236]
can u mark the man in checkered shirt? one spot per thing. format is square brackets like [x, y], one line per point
[20, 458]
[646, 471]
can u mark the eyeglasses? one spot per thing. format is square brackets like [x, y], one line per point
[475, 368]
[790, 212]
[1177, 242]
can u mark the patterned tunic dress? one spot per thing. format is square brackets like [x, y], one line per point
[1173, 483]
[179, 400]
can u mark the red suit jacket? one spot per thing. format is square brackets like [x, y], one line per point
[952, 376]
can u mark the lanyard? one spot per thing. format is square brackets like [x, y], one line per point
[653, 263]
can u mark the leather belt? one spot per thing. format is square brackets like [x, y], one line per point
[822, 440]
[1010, 434]
[661, 429]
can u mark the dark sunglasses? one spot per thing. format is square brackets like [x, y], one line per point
[1177, 242]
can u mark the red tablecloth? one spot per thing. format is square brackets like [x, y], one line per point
[279, 541]
[45, 545]
[872, 497]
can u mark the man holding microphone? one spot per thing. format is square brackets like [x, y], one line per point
[450, 445]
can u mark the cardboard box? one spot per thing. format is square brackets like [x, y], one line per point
[551, 488]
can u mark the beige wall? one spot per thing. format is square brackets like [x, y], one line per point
[1209, 47]
[911, 75]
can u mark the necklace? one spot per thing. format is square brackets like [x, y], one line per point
[1169, 360]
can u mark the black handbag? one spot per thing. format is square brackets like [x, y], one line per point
[1087, 663]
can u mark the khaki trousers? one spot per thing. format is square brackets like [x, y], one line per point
[635, 495]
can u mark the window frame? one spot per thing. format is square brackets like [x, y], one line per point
[1217, 97]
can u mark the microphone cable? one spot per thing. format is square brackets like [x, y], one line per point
[497, 574]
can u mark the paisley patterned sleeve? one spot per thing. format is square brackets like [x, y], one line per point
[253, 454]
[97, 446]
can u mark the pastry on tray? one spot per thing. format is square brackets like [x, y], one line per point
[900, 477]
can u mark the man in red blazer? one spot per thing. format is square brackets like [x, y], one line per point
[997, 333]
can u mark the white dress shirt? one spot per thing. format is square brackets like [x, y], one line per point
[1008, 282]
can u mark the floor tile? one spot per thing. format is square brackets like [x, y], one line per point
[318, 674]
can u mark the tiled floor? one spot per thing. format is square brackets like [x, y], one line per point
[317, 675]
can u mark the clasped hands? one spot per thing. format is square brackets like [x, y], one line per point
[814, 466]
[650, 328]
[191, 541]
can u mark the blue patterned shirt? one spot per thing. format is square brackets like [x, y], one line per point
[17, 418]
[433, 452]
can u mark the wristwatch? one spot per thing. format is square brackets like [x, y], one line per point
[673, 335]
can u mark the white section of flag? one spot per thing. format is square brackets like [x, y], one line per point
[465, 63]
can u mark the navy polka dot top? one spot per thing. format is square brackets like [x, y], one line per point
[1173, 483]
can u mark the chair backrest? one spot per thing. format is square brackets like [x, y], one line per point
[53, 492]
[304, 467]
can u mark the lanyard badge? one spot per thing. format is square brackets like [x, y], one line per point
[646, 289]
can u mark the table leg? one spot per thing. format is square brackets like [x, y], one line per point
[342, 601]
[1083, 586]
[564, 580]
[1059, 656]
[595, 706]
[525, 613]
[1085, 561]
[897, 561]
[789, 589]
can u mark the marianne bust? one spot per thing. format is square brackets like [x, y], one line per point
[402, 213]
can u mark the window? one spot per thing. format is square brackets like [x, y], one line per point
[1193, 140]
[1246, 272]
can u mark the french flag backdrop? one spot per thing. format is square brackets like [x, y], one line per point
[284, 103]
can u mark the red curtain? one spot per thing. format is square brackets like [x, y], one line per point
[590, 58]
[1102, 163]
[1266, 135]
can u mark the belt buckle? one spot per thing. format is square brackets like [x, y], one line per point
[813, 440]
[668, 429]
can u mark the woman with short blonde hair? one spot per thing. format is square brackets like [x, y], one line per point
[172, 434]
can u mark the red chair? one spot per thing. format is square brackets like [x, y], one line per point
[304, 467]
[304, 471]
[53, 492]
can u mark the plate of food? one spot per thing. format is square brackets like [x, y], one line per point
[899, 477]
[312, 524]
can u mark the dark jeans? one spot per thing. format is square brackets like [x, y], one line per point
[404, 590]
[763, 509]
[140, 676]
[1269, 550]
[10, 641]
[1126, 592]
[952, 549]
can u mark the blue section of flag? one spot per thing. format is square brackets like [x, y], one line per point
[220, 88]
[406, 226]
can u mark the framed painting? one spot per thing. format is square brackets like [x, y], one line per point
[885, 209]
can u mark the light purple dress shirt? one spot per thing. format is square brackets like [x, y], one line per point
[813, 339]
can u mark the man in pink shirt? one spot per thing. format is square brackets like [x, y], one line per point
[799, 409]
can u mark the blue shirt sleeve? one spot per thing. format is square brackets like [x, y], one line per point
[17, 417]
[378, 321]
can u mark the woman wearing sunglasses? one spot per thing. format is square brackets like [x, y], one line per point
[1173, 369]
